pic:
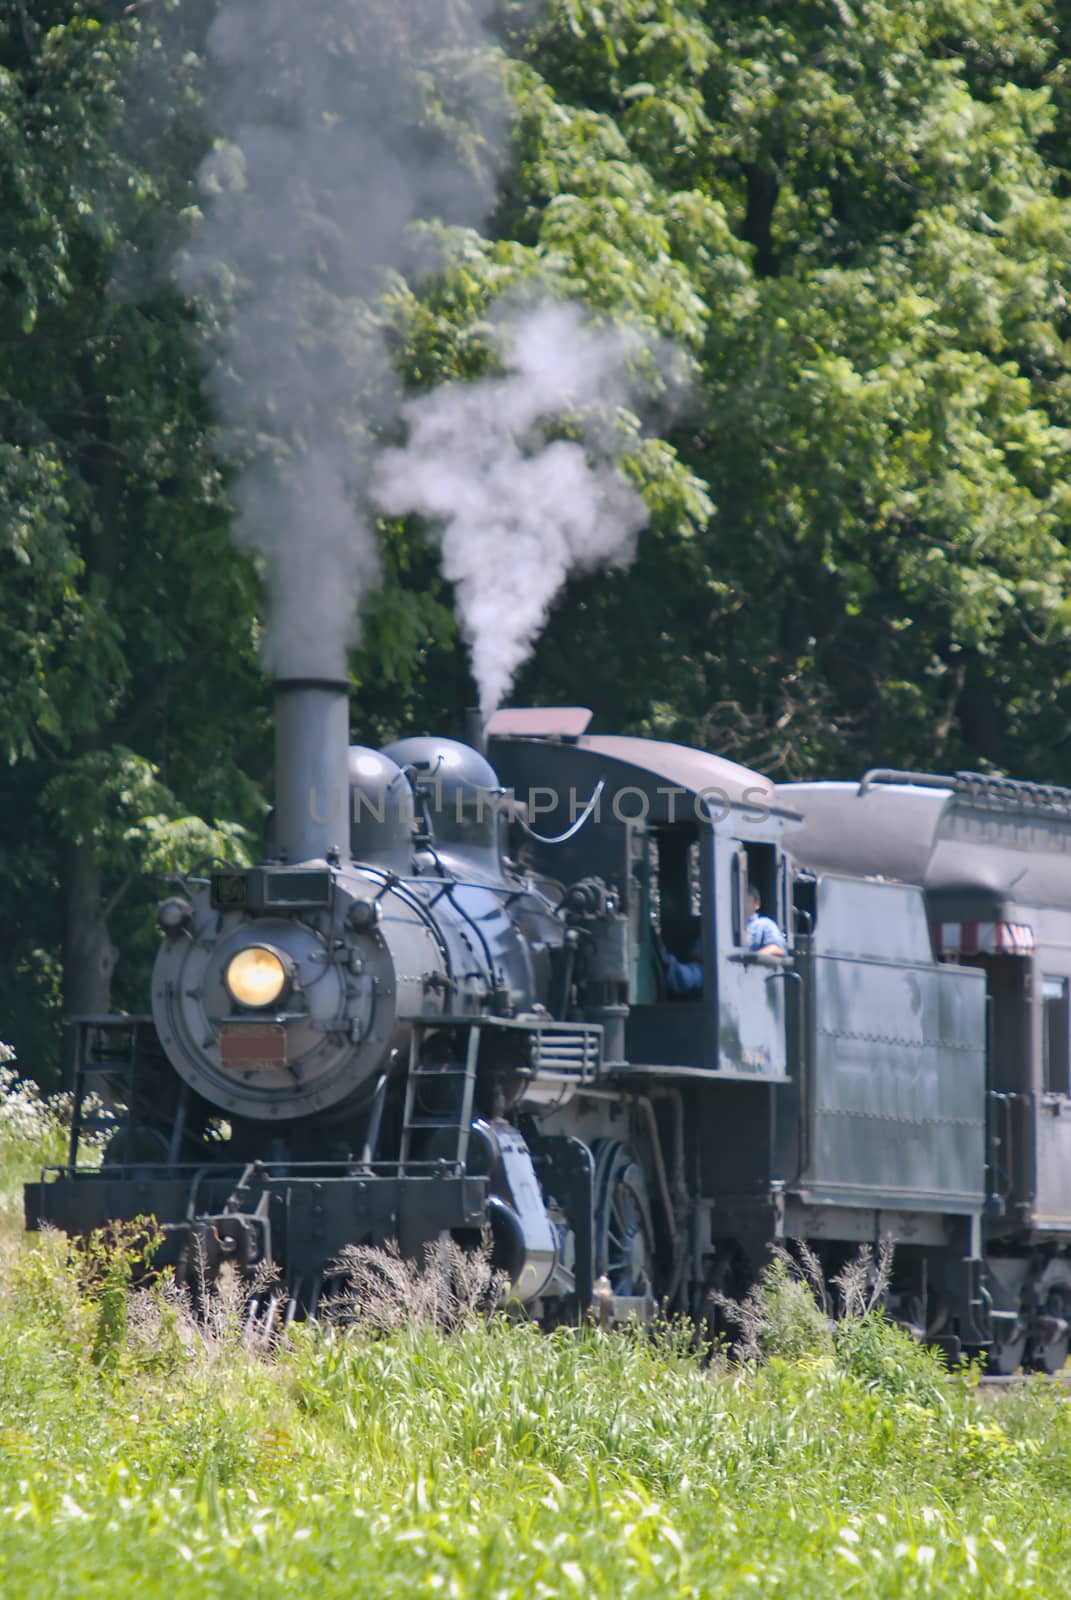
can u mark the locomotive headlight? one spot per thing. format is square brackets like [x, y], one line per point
[256, 976]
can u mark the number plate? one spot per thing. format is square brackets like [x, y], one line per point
[252, 1046]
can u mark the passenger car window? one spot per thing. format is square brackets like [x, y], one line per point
[1055, 1056]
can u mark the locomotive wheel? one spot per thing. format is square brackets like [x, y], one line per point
[1053, 1353]
[1005, 1356]
[624, 1236]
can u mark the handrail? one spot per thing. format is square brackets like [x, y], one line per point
[987, 788]
[917, 780]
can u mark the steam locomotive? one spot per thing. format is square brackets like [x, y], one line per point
[439, 1008]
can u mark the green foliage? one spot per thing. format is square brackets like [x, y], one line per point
[118, 584]
[886, 1359]
[108, 1262]
[795, 1325]
[876, 236]
[34, 1131]
[501, 1461]
[114, 798]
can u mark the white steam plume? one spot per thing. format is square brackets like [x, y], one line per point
[519, 512]
[335, 120]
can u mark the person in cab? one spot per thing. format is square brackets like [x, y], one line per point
[762, 936]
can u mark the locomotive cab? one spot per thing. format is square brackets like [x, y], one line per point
[678, 835]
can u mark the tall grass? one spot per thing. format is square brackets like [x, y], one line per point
[34, 1131]
[143, 1452]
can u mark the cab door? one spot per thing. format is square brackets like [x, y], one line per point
[750, 1019]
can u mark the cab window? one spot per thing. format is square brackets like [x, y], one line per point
[757, 864]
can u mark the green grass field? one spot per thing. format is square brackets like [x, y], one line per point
[139, 1455]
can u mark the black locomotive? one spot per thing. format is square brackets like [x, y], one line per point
[441, 1007]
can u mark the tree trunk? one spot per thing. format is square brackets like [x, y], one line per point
[88, 953]
[763, 189]
[89, 956]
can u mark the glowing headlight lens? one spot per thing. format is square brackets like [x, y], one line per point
[255, 976]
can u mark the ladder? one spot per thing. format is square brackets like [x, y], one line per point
[461, 1077]
[109, 1052]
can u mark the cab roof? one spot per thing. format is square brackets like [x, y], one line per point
[534, 744]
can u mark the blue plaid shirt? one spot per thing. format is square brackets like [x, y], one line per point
[762, 931]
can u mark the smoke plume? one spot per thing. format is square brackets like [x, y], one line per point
[520, 511]
[340, 122]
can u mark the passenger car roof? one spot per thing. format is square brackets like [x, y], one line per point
[887, 832]
[969, 840]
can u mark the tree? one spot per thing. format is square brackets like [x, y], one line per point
[883, 372]
[120, 593]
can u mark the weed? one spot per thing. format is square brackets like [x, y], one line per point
[35, 1131]
[446, 1288]
[785, 1313]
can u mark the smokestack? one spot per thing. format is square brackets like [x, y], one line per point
[312, 747]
